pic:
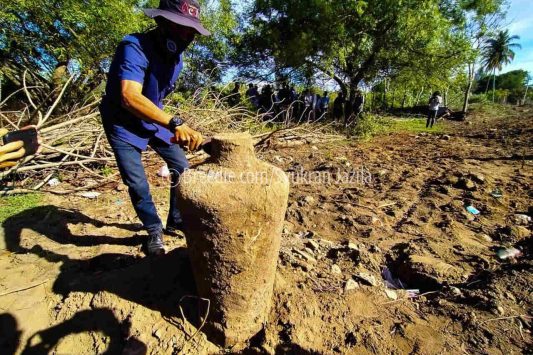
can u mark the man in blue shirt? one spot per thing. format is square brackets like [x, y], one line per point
[143, 72]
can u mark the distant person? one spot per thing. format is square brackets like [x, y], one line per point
[324, 104]
[234, 98]
[338, 106]
[284, 95]
[253, 95]
[266, 103]
[434, 103]
[309, 103]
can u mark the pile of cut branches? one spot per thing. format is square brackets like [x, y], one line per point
[75, 151]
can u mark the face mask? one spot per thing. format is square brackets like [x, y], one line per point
[173, 46]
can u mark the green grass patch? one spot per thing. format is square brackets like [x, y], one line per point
[12, 205]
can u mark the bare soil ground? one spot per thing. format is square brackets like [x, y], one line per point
[75, 281]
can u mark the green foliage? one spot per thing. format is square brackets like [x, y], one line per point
[413, 42]
[40, 34]
[46, 36]
[510, 86]
[479, 98]
[498, 50]
[12, 205]
[368, 126]
[206, 60]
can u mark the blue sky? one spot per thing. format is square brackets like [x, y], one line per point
[520, 22]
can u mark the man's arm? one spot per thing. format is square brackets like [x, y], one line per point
[135, 102]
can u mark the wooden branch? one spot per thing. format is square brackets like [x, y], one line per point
[67, 123]
[42, 121]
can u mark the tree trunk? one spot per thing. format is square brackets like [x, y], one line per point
[493, 84]
[525, 93]
[471, 68]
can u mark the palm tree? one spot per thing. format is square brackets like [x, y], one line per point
[497, 52]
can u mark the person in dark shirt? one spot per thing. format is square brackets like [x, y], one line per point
[338, 106]
[234, 98]
[143, 72]
[253, 95]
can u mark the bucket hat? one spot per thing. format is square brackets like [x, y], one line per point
[181, 12]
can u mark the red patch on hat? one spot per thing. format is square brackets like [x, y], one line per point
[190, 10]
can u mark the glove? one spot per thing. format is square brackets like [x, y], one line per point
[11, 152]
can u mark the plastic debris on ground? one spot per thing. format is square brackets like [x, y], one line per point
[508, 253]
[53, 182]
[164, 172]
[472, 210]
[397, 284]
[90, 194]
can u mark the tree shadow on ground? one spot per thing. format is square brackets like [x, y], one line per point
[157, 283]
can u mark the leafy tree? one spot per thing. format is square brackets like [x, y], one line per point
[44, 35]
[53, 38]
[352, 41]
[497, 52]
[474, 19]
[514, 82]
[209, 57]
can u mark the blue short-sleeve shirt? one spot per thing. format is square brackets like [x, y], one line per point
[138, 59]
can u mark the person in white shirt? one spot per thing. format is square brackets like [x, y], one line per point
[434, 103]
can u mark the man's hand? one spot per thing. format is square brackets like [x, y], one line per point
[187, 137]
[11, 152]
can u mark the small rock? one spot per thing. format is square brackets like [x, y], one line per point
[309, 199]
[465, 184]
[391, 294]
[367, 278]
[500, 310]
[306, 256]
[485, 238]
[313, 245]
[121, 187]
[521, 219]
[352, 246]
[309, 251]
[451, 179]
[335, 269]
[510, 296]
[364, 220]
[314, 147]
[350, 285]
[478, 178]
[456, 291]
[446, 137]
[157, 334]
[374, 249]
[90, 194]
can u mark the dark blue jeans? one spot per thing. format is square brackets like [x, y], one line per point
[133, 175]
